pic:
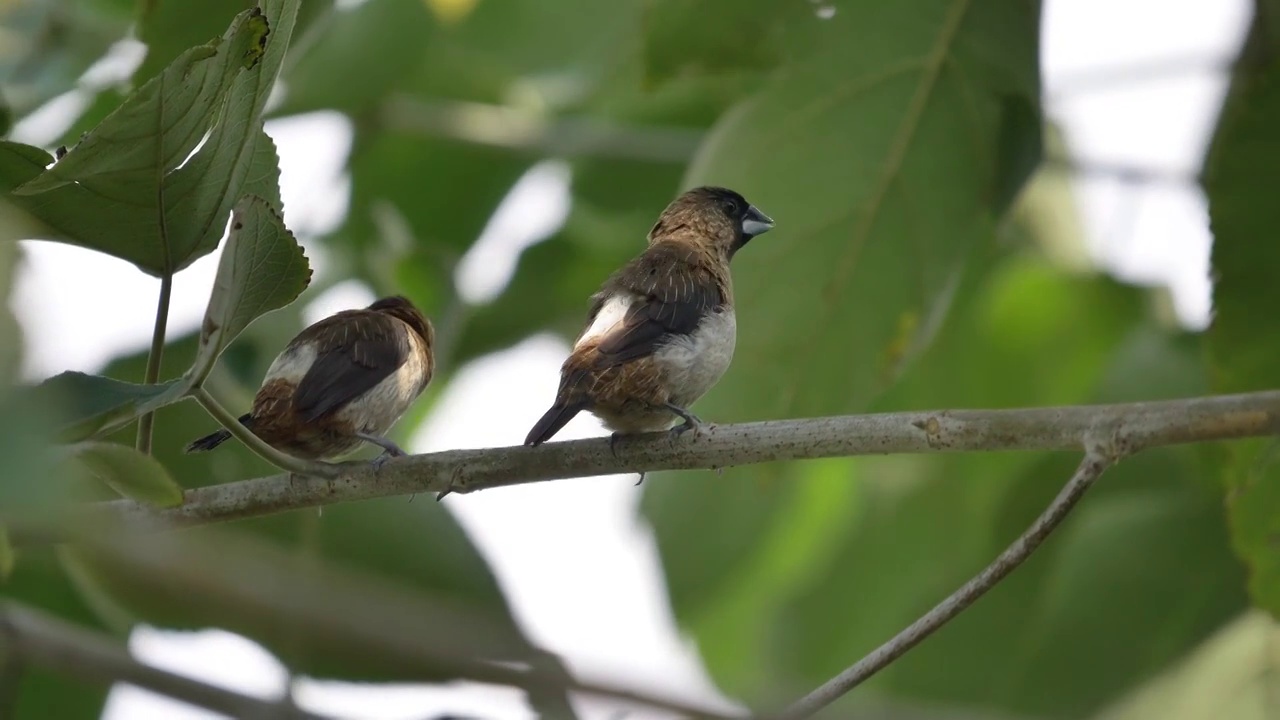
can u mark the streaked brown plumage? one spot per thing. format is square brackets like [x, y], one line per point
[661, 330]
[342, 381]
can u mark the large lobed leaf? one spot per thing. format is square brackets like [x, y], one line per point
[886, 159]
[92, 406]
[129, 472]
[132, 186]
[882, 156]
[1241, 172]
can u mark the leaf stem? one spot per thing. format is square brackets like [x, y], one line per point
[281, 460]
[146, 422]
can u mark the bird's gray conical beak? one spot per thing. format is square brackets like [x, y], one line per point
[755, 222]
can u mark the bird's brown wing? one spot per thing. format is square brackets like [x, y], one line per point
[676, 291]
[364, 351]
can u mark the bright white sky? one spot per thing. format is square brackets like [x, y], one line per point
[580, 570]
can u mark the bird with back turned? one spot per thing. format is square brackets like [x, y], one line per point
[343, 381]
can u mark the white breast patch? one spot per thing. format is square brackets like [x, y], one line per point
[694, 363]
[612, 313]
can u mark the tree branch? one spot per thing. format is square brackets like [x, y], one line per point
[1096, 461]
[1144, 425]
[41, 639]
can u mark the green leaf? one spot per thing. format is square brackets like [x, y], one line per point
[130, 189]
[92, 405]
[846, 148]
[882, 161]
[169, 28]
[198, 81]
[129, 472]
[263, 268]
[680, 39]
[1242, 163]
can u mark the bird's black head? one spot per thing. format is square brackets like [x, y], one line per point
[720, 215]
[399, 306]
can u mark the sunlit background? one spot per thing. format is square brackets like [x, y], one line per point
[1134, 85]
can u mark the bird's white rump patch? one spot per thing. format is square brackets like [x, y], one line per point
[292, 364]
[610, 315]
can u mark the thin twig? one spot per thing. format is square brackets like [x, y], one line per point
[152, 373]
[43, 640]
[1093, 465]
[256, 444]
[1148, 424]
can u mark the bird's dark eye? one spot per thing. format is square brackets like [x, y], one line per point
[731, 207]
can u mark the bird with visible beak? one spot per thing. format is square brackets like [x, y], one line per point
[661, 330]
[341, 382]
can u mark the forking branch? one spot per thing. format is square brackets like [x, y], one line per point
[1106, 433]
[1097, 459]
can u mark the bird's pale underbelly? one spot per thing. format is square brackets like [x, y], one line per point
[681, 371]
[692, 364]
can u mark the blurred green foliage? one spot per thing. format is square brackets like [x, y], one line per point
[911, 268]
[1238, 170]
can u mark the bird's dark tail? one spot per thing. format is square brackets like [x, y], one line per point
[551, 421]
[213, 440]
